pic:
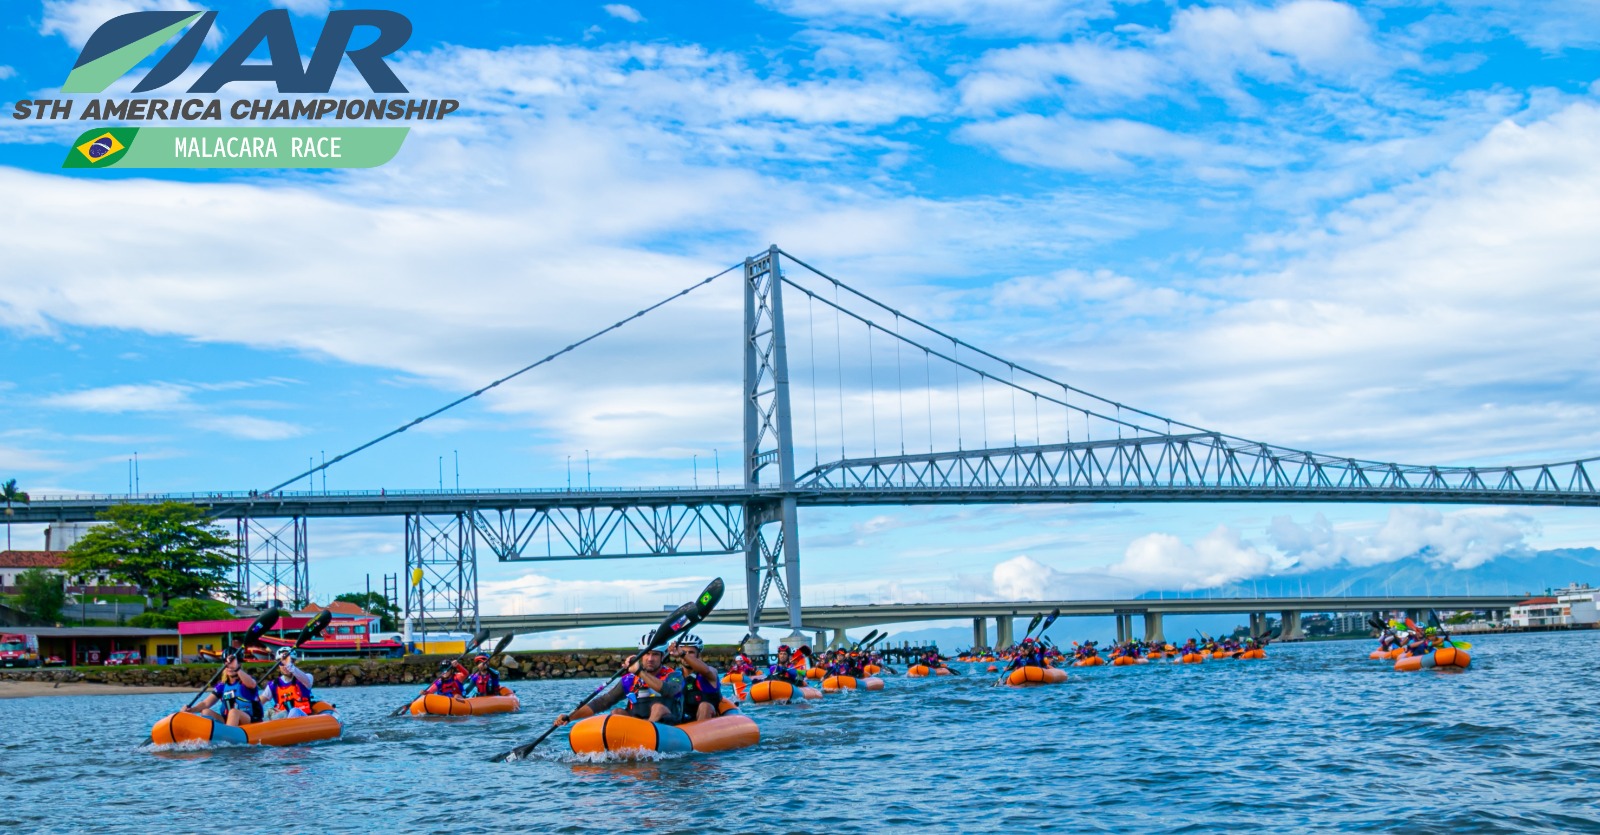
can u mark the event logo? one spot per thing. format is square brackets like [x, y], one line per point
[122, 42]
[298, 126]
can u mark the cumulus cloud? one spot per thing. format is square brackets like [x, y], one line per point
[534, 593]
[179, 400]
[1033, 17]
[623, 12]
[1459, 540]
[1163, 561]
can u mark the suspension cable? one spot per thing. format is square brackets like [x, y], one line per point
[513, 375]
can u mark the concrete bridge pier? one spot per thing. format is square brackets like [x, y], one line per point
[980, 632]
[821, 639]
[1002, 631]
[838, 640]
[755, 645]
[1290, 630]
[1153, 632]
[1256, 624]
[1124, 628]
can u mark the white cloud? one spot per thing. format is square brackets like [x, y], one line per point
[623, 12]
[248, 428]
[1032, 17]
[7, 72]
[151, 397]
[1163, 561]
[1458, 540]
[1004, 77]
[1109, 145]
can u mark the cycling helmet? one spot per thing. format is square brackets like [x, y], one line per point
[647, 640]
[691, 641]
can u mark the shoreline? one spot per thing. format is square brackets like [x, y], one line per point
[32, 689]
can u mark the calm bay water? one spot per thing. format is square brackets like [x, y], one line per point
[1315, 737]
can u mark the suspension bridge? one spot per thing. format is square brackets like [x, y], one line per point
[927, 419]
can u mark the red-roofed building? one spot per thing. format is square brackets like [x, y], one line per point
[13, 563]
[1539, 611]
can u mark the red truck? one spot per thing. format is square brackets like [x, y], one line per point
[19, 650]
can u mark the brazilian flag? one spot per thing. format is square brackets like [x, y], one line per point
[100, 147]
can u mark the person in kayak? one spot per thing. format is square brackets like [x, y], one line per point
[484, 681]
[1421, 643]
[702, 688]
[1029, 654]
[652, 691]
[235, 694]
[287, 694]
[742, 665]
[782, 668]
[450, 681]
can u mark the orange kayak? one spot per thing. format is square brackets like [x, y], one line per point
[193, 727]
[433, 704]
[1030, 676]
[1443, 658]
[623, 734]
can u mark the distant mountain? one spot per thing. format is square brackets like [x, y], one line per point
[1503, 575]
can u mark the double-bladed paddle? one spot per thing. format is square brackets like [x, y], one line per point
[479, 638]
[1436, 622]
[499, 647]
[251, 636]
[1054, 613]
[862, 644]
[683, 619]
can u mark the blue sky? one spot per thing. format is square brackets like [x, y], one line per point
[1363, 229]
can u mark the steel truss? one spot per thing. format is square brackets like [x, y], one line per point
[623, 531]
[1203, 465]
[273, 561]
[441, 571]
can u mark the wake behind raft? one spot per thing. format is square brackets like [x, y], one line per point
[613, 734]
[323, 723]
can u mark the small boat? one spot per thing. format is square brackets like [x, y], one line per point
[781, 692]
[1031, 676]
[434, 704]
[1443, 658]
[836, 684]
[816, 674]
[922, 670]
[1091, 661]
[1191, 658]
[625, 734]
[1127, 661]
[194, 727]
[1252, 654]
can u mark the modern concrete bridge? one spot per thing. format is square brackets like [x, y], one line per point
[839, 618]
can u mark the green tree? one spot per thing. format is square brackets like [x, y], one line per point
[183, 609]
[41, 594]
[388, 614]
[169, 550]
[10, 493]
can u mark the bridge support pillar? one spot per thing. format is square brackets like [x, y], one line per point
[820, 639]
[441, 571]
[1153, 631]
[1290, 629]
[980, 633]
[1002, 631]
[273, 561]
[1255, 624]
[838, 640]
[754, 646]
[768, 440]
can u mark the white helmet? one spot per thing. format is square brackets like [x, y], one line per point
[691, 641]
[646, 641]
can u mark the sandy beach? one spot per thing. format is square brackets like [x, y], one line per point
[24, 689]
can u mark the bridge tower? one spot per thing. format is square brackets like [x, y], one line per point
[274, 561]
[771, 534]
[441, 579]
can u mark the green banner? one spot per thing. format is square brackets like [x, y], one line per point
[235, 147]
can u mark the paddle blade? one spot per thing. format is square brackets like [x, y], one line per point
[1032, 624]
[680, 621]
[709, 598]
[261, 626]
[1054, 613]
[314, 628]
[501, 646]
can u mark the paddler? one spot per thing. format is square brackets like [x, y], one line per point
[484, 681]
[287, 694]
[782, 667]
[652, 691]
[450, 681]
[702, 689]
[235, 693]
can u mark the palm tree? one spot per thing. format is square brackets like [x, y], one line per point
[10, 493]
